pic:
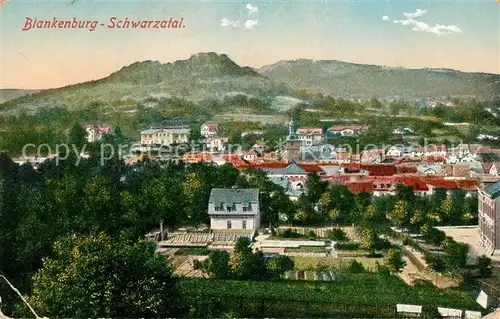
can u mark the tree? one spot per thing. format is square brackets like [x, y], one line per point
[394, 260]
[246, 265]
[432, 235]
[337, 234]
[398, 214]
[315, 187]
[484, 266]
[227, 176]
[280, 264]
[193, 196]
[95, 276]
[369, 240]
[77, 136]
[456, 253]
[217, 264]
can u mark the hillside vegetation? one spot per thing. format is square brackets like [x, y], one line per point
[349, 80]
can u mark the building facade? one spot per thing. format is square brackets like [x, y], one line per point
[234, 208]
[165, 136]
[209, 130]
[489, 218]
[95, 132]
[310, 136]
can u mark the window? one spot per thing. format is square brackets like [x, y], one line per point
[229, 224]
[244, 224]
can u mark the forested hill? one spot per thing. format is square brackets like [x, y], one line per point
[349, 80]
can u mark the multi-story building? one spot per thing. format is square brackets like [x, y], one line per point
[310, 136]
[489, 218]
[95, 132]
[234, 208]
[165, 136]
[209, 130]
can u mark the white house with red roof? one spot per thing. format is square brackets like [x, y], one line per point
[310, 136]
[209, 129]
[95, 132]
[250, 155]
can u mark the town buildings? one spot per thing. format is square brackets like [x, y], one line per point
[95, 132]
[164, 136]
[234, 208]
[489, 218]
[310, 136]
[209, 130]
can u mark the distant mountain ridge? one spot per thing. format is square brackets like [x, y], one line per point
[202, 76]
[214, 76]
[11, 94]
[351, 80]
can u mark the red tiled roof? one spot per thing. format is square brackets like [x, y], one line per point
[360, 186]
[197, 157]
[311, 168]
[450, 183]
[211, 126]
[337, 128]
[267, 165]
[414, 183]
[380, 170]
[434, 159]
[406, 169]
[309, 131]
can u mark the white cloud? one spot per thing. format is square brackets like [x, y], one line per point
[419, 26]
[252, 9]
[416, 14]
[229, 23]
[250, 24]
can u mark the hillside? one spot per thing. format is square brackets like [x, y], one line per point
[11, 94]
[202, 76]
[351, 80]
[215, 76]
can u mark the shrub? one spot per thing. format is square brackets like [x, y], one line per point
[347, 246]
[436, 263]
[337, 234]
[484, 266]
[288, 233]
[356, 267]
[312, 235]
[394, 260]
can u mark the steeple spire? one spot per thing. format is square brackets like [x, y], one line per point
[291, 129]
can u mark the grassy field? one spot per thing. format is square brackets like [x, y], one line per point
[308, 263]
[366, 289]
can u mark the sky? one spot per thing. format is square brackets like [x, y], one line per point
[462, 35]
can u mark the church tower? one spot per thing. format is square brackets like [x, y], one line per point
[292, 143]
